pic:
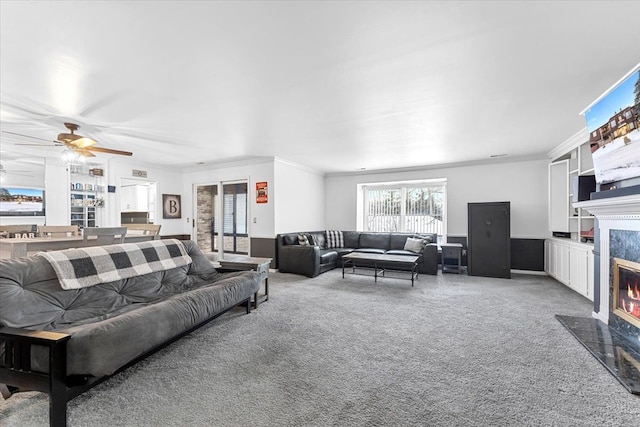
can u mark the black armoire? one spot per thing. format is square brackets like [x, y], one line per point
[489, 239]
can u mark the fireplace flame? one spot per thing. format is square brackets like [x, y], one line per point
[631, 303]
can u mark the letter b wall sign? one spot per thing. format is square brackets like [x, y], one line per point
[171, 206]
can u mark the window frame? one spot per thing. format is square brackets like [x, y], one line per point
[404, 186]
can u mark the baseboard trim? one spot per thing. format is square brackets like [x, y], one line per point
[532, 272]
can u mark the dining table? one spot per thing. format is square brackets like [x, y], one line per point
[19, 247]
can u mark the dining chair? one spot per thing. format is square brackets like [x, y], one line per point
[58, 230]
[144, 229]
[103, 235]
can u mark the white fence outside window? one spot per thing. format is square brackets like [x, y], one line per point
[405, 207]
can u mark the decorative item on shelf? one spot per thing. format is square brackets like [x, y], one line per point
[99, 203]
[79, 186]
[96, 172]
[88, 187]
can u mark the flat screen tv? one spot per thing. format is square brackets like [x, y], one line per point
[21, 201]
[613, 122]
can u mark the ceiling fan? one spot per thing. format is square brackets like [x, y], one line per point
[79, 144]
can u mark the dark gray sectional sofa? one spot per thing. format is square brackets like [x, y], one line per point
[63, 342]
[312, 260]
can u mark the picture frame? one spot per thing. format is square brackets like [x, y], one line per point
[262, 195]
[171, 206]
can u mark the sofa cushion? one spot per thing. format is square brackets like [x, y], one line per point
[327, 256]
[370, 250]
[351, 239]
[334, 239]
[318, 239]
[374, 241]
[343, 251]
[290, 239]
[397, 240]
[402, 252]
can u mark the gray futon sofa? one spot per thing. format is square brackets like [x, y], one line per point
[63, 342]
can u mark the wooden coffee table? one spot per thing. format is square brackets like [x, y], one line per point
[243, 262]
[380, 263]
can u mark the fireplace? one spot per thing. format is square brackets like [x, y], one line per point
[612, 335]
[626, 290]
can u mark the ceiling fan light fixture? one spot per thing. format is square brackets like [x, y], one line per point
[71, 157]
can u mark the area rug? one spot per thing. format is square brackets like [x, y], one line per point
[453, 350]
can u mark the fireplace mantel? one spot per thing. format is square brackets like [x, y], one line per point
[613, 213]
[624, 207]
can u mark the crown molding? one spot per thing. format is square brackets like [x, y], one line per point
[572, 142]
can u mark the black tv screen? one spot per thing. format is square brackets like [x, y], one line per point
[21, 201]
[614, 136]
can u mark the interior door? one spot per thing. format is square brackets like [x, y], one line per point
[489, 236]
[235, 218]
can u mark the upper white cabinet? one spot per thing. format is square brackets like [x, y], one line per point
[559, 196]
[569, 161]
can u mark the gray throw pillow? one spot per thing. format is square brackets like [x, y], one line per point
[414, 245]
[305, 240]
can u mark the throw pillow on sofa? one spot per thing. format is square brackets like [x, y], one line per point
[334, 238]
[414, 245]
[427, 238]
[305, 240]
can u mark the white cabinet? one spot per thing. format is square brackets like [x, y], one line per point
[571, 263]
[134, 198]
[559, 196]
[570, 260]
[570, 160]
[86, 195]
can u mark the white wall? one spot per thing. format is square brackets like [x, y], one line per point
[255, 171]
[300, 198]
[524, 184]
[56, 179]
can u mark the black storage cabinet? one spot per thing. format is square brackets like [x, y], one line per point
[489, 235]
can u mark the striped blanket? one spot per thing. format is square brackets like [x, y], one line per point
[80, 268]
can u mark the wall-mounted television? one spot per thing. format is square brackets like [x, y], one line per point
[613, 122]
[15, 201]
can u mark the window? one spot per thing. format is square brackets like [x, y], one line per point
[415, 206]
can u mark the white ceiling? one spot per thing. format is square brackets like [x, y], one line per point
[336, 86]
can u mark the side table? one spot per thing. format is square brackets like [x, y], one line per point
[243, 262]
[451, 257]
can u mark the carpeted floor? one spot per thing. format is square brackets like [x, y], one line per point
[452, 351]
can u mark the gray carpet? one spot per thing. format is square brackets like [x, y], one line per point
[453, 350]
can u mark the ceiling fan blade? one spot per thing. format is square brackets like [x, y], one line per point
[40, 145]
[83, 152]
[28, 136]
[84, 142]
[108, 150]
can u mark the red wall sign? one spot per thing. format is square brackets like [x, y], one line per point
[261, 192]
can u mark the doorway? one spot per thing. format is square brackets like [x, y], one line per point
[231, 217]
[138, 202]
